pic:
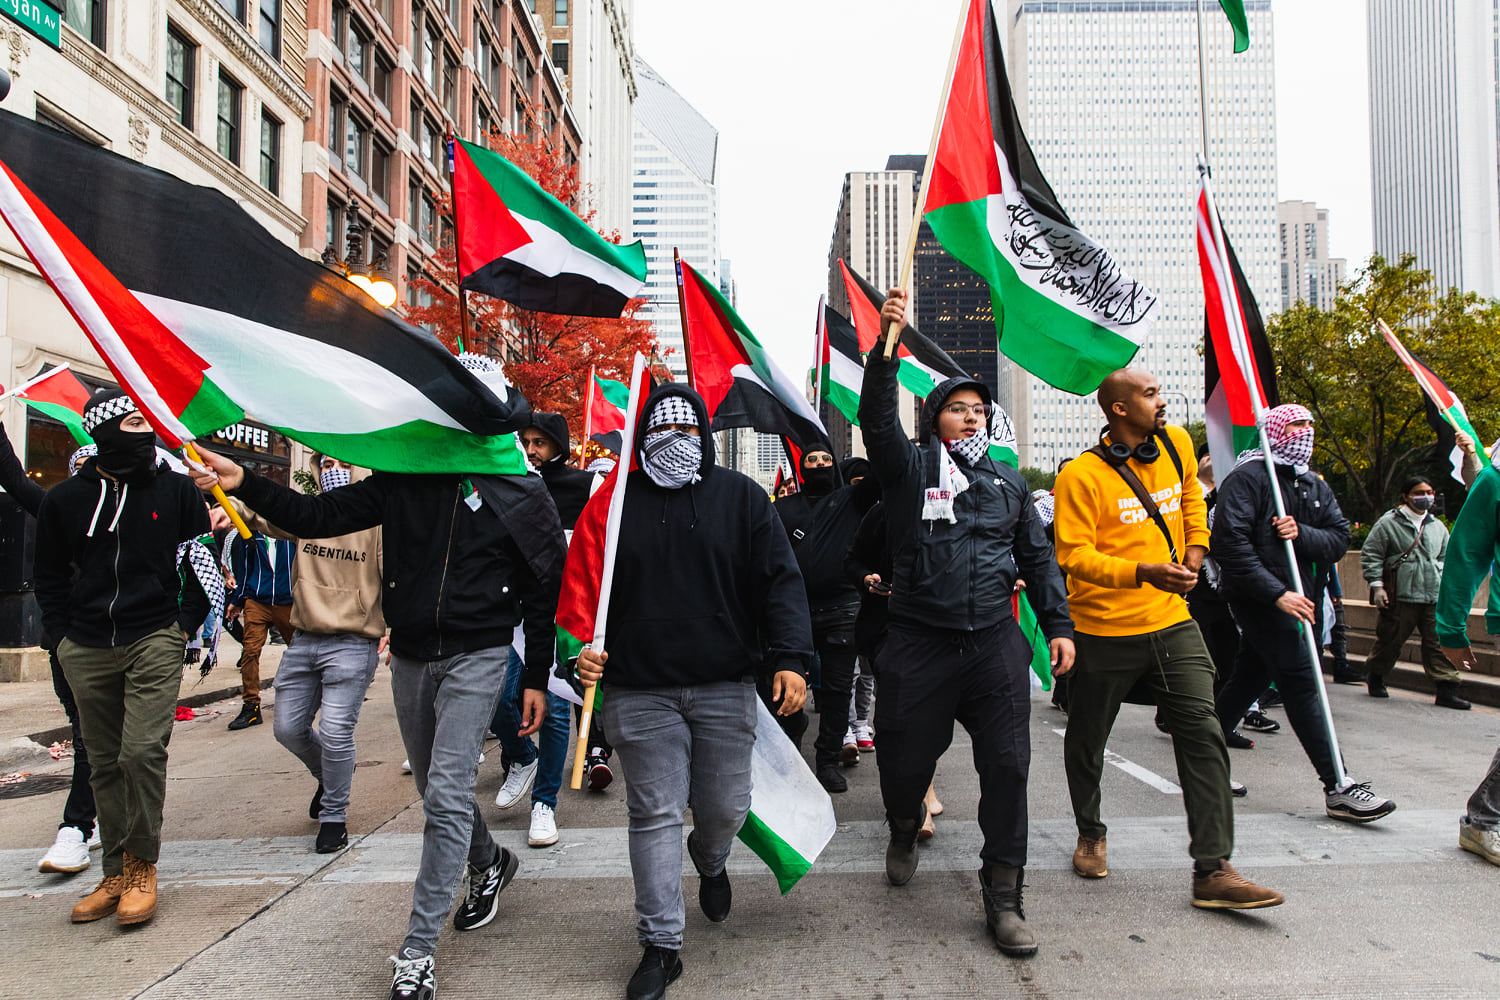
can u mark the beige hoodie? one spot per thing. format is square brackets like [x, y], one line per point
[336, 582]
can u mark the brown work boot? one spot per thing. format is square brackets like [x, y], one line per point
[138, 901]
[1089, 857]
[1226, 889]
[101, 902]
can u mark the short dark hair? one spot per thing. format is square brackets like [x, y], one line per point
[1414, 482]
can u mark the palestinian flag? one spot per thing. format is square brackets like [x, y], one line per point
[1233, 389]
[518, 243]
[1445, 411]
[791, 818]
[1041, 652]
[606, 405]
[61, 395]
[924, 365]
[1065, 309]
[841, 368]
[739, 383]
[205, 318]
[1235, 11]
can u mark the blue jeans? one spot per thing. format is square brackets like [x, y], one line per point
[682, 747]
[520, 749]
[326, 676]
[443, 707]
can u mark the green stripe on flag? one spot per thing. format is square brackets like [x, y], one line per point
[1041, 652]
[419, 445]
[73, 421]
[618, 393]
[785, 863]
[210, 410]
[1235, 11]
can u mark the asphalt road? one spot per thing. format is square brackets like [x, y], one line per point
[247, 910]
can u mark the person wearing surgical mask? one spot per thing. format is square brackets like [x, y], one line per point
[1402, 560]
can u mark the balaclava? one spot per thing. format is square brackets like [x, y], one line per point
[671, 458]
[122, 454]
[818, 482]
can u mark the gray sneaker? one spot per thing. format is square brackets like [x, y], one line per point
[1355, 803]
[1485, 843]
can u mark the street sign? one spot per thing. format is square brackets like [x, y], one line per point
[36, 17]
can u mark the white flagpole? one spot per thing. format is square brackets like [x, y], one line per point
[638, 386]
[818, 352]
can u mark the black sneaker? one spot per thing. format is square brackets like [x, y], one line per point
[1347, 675]
[831, 778]
[714, 895]
[598, 770]
[482, 901]
[413, 979]
[332, 837]
[1235, 740]
[315, 808]
[659, 969]
[1377, 687]
[1260, 722]
[249, 716]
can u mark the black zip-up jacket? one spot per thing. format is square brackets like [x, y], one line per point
[1251, 556]
[706, 588]
[821, 530]
[457, 579]
[13, 478]
[955, 576]
[106, 557]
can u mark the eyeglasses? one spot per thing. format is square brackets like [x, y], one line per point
[981, 410]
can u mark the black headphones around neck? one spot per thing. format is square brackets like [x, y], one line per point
[1118, 454]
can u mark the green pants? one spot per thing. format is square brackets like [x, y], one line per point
[127, 701]
[1397, 621]
[1180, 675]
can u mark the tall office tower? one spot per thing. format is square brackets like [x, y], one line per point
[1308, 274]
[591, 46]
[1109, 94]
[1433, 147]
[674, 202]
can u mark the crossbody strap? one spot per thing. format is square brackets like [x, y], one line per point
[1143, 495]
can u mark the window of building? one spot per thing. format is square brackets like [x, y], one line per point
[427, 230]
[523, 67]
[380, 169]
[561, 12]
[432, 134]
[355, 152]
[236, 8]
[413, 205]
[270, 153]
[432, 54]
[181, 57]
[560, 57]
[268, 31]
[231, 96]
[450, 84]
[87, 18]
[384, 70]
[341, 26]
[335, 226]
[357, 49]
[481, 120]
[338, 110]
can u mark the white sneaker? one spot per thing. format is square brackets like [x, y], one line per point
[94, 842]
[406, 767]
[1355, 803]
[864, 737]
[849, 753]
[543, 826]
[1485, 843]
[69, 853]
[517, 784]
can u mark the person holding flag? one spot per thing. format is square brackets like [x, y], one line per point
[1132, 533]
[705, 597]
[962, 528]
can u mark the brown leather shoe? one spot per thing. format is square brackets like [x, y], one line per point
[101, 902]
[1089, 857]
[138, 901]
[1226, 889]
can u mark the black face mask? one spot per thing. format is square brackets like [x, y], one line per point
[125, 454]
[820, 481]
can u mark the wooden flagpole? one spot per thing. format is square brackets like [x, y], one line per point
[908, 259]
[588, 417]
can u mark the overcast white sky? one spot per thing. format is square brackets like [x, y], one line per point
[803, 93]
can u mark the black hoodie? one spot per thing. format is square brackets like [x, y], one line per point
[821, 529]
[706, 588]
[955, 576]
[106, 557]
[570, 487]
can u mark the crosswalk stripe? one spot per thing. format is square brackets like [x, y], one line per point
[1135, 770]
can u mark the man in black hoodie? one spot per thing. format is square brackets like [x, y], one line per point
[821, 522]
[962, 528]
[467, 559]
[706, 596]
[120, 598]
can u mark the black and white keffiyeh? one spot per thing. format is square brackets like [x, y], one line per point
[672, 410]
[332, 479]
[970, 449]
[211, 578]
[1045, 505]
[106, 410]
[672, 458]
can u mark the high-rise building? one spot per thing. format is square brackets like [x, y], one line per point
[1433, 138]
[389, 80]
[1110, 99]
[591, 46]
[674, 200]
[1308, 274]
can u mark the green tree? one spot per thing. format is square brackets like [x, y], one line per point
[1038, 479]
[1371, 428]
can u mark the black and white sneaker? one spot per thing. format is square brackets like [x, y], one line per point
[1355, 803]
[1235, 740]
[413, 979]
[1260, 722]
[482, 901]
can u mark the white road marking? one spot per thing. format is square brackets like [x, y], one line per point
[1135, 770]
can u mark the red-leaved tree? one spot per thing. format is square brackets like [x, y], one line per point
[547, 356]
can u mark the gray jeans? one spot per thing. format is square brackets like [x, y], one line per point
[326, 676]
[681, 747]
[444, 708]
[1484, 804]
[864, 692]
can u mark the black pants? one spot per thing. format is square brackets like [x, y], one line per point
[79, 809]
[833, 637]
[1274, 650]
[1220, 634]
[931, 678]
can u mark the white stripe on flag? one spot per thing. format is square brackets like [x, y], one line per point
[550, 253]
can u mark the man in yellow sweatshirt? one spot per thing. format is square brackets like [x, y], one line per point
[1132, 531]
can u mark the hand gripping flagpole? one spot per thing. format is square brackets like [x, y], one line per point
[1229, 302]
[638, 384]
[219, 494]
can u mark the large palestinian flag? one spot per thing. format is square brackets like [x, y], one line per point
[739, 383]
[1445, 411]
[61, 395]
[1065, 309]
[205, 319]
[518, 243]
[1234, 384]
